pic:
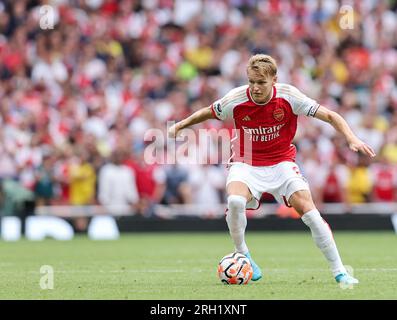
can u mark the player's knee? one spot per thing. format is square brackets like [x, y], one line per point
[304, 207]
[302, 201]
[236, 203]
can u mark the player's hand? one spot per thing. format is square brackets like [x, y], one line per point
[359, 146]
[173, 131]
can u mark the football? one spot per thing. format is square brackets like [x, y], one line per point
[235, 268]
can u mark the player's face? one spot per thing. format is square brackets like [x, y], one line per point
[261, 87]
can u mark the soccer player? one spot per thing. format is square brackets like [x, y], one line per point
[265, 115]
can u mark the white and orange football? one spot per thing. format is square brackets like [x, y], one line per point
[235, 268]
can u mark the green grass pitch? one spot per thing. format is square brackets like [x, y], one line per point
[182, 266]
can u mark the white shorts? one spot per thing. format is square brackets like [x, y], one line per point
[280, 180]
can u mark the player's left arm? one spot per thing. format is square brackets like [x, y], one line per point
[341, 126]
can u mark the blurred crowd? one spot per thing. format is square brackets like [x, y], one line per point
[77, 99]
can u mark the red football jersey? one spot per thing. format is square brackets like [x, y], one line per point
[384, 183]
[264, 132]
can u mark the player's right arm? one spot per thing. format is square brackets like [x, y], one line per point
[221, 109]
[197, 117]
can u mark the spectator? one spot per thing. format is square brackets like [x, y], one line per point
[359, 183]
[207, 183]
[117, 187]
[150, 181]
[82, 180]
[44, 185]
[334, 184]
[384, 178]
[177, 190]
[15, 199]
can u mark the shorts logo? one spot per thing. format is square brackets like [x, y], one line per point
[278, 114]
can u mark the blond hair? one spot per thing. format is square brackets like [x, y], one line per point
[264, 64]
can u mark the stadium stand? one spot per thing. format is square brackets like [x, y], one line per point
[109, 71]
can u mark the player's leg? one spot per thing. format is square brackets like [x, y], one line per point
[321, 232]
[238, 195]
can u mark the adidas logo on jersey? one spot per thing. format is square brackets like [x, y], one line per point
[246, 118]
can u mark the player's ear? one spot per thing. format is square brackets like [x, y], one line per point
[274, 79]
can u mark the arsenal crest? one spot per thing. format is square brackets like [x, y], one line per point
[278, 114]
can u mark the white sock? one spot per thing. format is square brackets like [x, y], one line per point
[237, 221]
[324, 239]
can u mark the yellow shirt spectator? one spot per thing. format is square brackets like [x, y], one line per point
[359, 185]
[82, 184]
[200, 57]
[390, 152]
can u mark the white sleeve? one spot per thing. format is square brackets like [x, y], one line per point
[159, 175]
[300, 103]
[343, 174]
[103, 187]
[223, 108]
[131, 188]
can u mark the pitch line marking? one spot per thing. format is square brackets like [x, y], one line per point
[201, 270]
